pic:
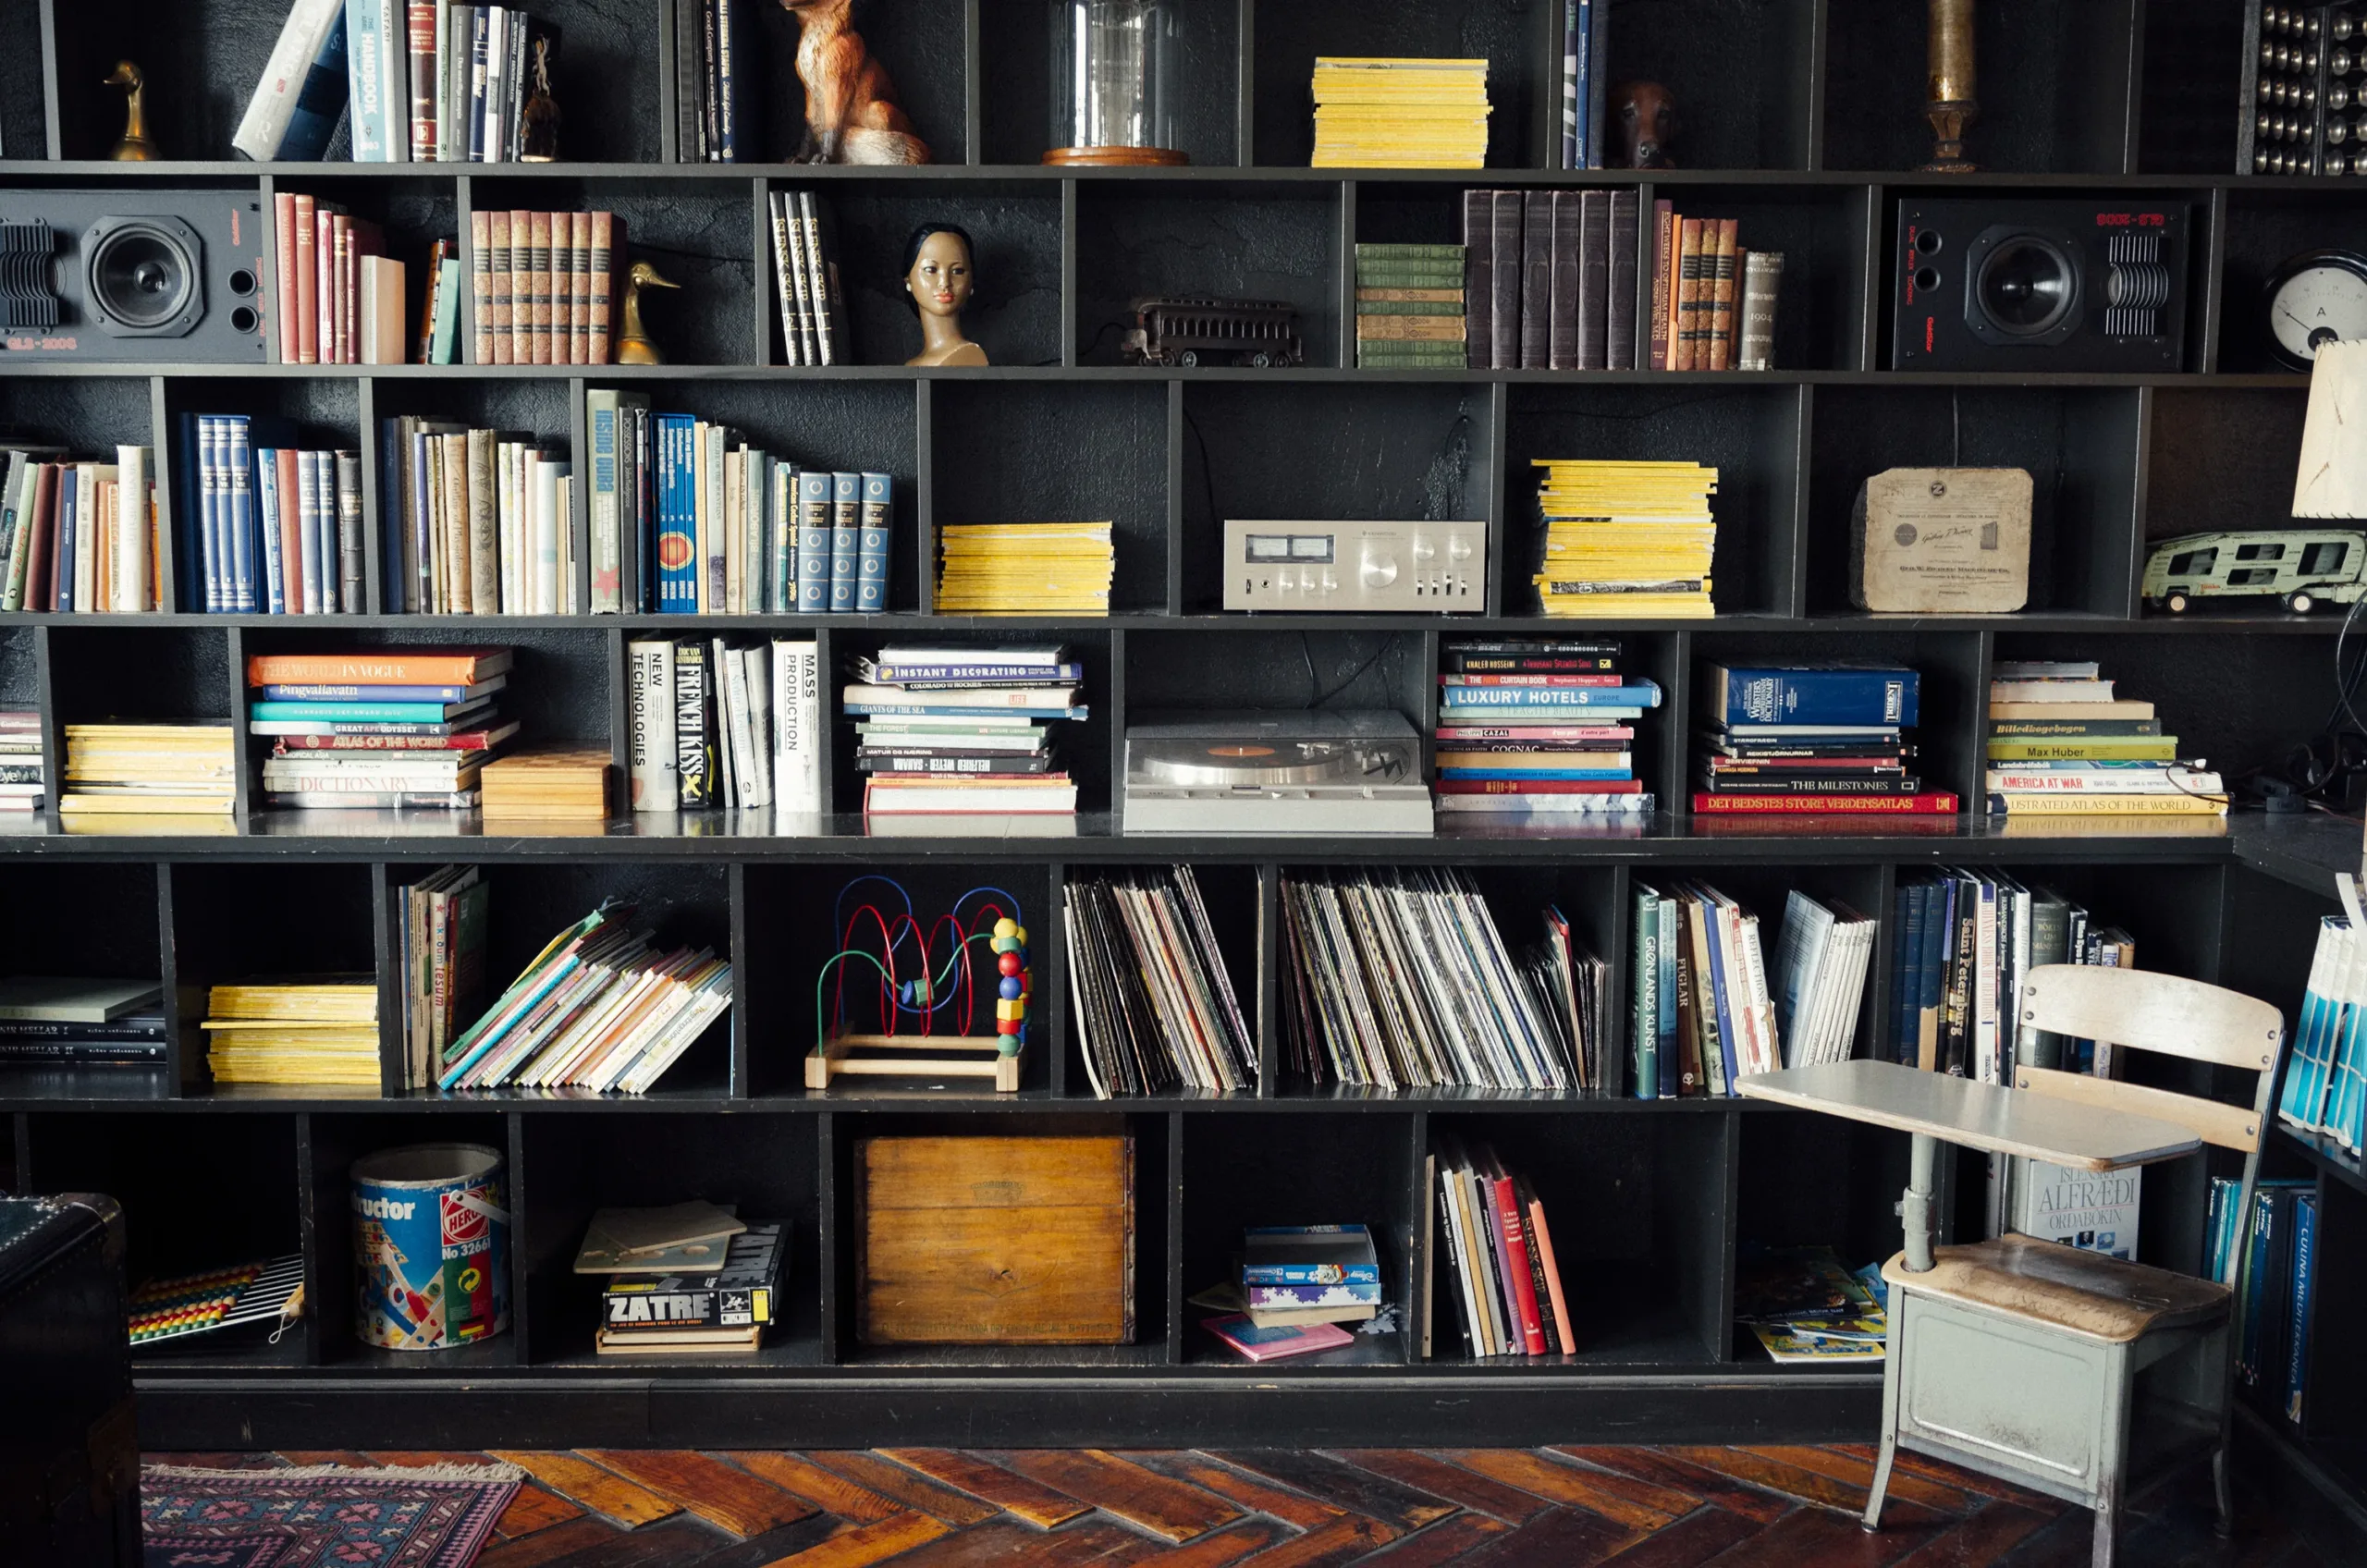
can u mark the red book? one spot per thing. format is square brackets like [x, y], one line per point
[1532, 680]
[1932, 803]
[1447, 732]
[1532, 1330]
[291, 530]
[1540, 786]
[466, 741]
[1553, 1277]
[283, 212]
[304, 268]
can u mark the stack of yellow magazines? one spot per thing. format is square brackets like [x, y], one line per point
[323, 1030]
[1625, 540]
[145, 768]
[1401, 114]
[1025, 568]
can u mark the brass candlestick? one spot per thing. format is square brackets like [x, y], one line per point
[1950, 105]
[133, 146]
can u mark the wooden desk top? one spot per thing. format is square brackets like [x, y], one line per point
[1978, 1116]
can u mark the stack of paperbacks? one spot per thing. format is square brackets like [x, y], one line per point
[443, 965]
[1399, 114]
[72, 1022]
[689, 1280]
[21, 773]
[375, 728]
[964, 729]
[2061, 744]
[1297, 1284]
[317, 1031]
[1410, 306]
[1025, 568]
[180, 769]
[1625, 540]
[566, 782]
[1796, 738]
[1501, 1272]
[600, 1007]
[1540, 727]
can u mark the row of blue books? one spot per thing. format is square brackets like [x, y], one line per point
[2325, 1081]
[275, 530]
[2277, 1284]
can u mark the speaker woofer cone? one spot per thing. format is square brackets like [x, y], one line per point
[2027, 286]
[142, 275]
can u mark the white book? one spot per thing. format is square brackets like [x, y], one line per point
[547, 472]
[263, 127]
[649, 704]
[1767, 1053]
[1985, 984]
[719, 687]
[87, 479]
[758, 668]
[499, 23]
[797, 724]
[132, 570]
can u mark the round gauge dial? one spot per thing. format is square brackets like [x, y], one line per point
[2318, 297]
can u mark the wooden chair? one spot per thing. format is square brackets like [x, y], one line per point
[2025, 1359]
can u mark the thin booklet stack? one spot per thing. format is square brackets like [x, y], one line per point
[73, 1022]
[1155, 1006]
[716, 723]
[138, 769]
[1625, 539]
[475, 522]
[315, 1031]
[23, 772]
[1400, 113]
[1297, 1284]
[687, 1278]
[1025, 568]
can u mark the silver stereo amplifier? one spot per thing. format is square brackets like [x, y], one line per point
[1308, 772]
[1355, 565]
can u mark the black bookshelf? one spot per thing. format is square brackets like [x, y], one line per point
[1804, 122]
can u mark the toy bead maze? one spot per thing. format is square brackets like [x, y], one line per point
[931, 980]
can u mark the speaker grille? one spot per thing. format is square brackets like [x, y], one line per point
[28, 300]
[2137, 285]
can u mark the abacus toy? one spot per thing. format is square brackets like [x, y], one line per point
[928, 979]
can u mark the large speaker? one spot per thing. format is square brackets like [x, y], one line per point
[153, 277]
[2052, 284]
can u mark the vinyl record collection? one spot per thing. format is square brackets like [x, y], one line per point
[1541, 726]
[1965, 941]
[1399, 114]
[1025, 568]
[474, 521]
[599, 1007]
[718, 724]
[316, 1031]
[1618, 540]
[1410, 304]
[80, 535]
[140, 769]
[441, 939]
[2062, 744]
[379, 728]
[964, 729]
[1502, 1273]
[273, 529]
[1809, 739]
[1401, 980]
[1155, 1006]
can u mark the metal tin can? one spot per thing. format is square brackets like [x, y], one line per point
[431, 1247]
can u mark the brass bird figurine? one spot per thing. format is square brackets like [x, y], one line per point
[636, 347]
[133, 146]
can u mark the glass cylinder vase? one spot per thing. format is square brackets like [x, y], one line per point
[1114, 82]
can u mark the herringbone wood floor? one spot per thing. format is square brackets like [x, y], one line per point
[1289, 1508]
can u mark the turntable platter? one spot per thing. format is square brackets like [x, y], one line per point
[1255, 764]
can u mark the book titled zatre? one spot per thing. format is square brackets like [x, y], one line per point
[737, 1295]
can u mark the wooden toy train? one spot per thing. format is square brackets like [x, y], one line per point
[1191, 332]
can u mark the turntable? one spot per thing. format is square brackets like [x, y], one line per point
[1311, 772]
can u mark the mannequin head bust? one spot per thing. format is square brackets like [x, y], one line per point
[938, 281]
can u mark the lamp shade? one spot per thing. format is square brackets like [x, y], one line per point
[1114, 82]
[2332, 480]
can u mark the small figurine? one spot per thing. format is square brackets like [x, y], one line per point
[133, 146]
[2299, 567]
[851, 116]
[938, 284]
[636, 347]
[539, 121]
[1645, 117]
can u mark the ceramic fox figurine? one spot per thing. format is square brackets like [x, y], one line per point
[851, 116]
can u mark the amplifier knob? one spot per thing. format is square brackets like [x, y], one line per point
[1424, 547]
[1458, 548]
[1330, 580]
[1380, 571]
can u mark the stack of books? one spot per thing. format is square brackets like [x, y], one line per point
[1809, 739]
[1352, 1014]
[1713, 304]
[564, 782]
[1025, 568]
[600, 1007]
[277, 530]
[1502, 1277]
[1803, 1305]
[1155, 1006]
[805, 275]
[153, 768]
[689, 1280]
[336, 295]
[718, 64]
[1625, 539]
[441, 954]
[463, 71]
[964, 729]
[80, 535]
[1540, 727]
[322, 1031]
[2278, 1286]
[477, 521]
[1298, 1283]
[398, 726]
[1965, 940]
[49, 1021]
[1399, 114]
[1410, 306]
[2061, 744]
[1702, 1015]
[22, 775]
[719, 725]
[547, 287]
[1552, 279]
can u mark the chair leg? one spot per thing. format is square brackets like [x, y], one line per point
[2107, 1544]
[1874, 1494]
[1893, 1365]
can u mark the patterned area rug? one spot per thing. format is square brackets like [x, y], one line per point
[321, 1516]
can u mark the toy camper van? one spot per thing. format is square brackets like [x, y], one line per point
[2299, 567]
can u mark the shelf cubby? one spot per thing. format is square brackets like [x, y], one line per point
[1743, 78]
[2221, 459]
[1521, 51]
[1014, 71]
[2266, 226]
[1015, 235]
[1139, 239]
[1797, 1164]
[1283, 670]
[89, 416]
[249, 920]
